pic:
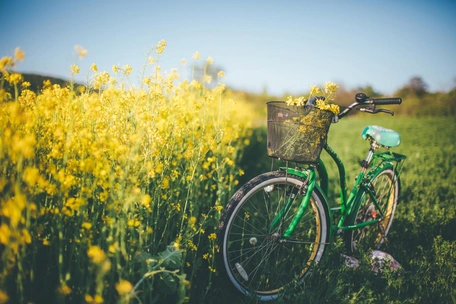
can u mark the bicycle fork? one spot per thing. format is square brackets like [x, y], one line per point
[307, 188]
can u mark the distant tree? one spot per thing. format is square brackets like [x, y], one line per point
[36, 82]
[415, 87]
[418, 86]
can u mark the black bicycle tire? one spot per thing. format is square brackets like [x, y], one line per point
[241, 197]
[351, 220]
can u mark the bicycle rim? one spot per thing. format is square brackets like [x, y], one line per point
[257, 259]
[386, 193]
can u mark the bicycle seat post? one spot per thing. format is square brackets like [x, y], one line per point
[366, 162]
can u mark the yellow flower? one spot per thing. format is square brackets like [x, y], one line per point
[196, 56]
[124, 287]
[5, 62]
[5, 234]
[191, 245]
[46, 84]
[147, 80]
[183, 61]
[314, 90]
[299, 101]
[113, 248]
[212, 236]
[330, 87]
[3, 297]
[208, 79]
[335, 109]
[192, 221]
[195, 84]
[176, 207]
[64, 289]
[75, 69]
[97, 299]
[133, 223]
[115, 69]
[86, 225]
[25, 84]
[145, 201]
[14, 78]
[160, 46]
[81, 89]
[26, 237]
[94, 67]
[18, 54]
[31, 175]
[220, 74]
[127, 69]
[82, 52]
[96, 254]
[165, 184]
[209, 60]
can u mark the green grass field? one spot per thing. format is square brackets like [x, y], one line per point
[422, 237]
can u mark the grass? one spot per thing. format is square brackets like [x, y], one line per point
[421, 238]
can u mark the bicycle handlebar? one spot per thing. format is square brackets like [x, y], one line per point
[386, 101]
[366, 104]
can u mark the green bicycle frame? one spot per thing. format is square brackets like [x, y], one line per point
[348, 205]
[303, 206]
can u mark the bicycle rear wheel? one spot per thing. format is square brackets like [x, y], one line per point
[385, 185]
[258, 260]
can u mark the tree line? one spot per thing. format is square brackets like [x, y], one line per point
[417, 99]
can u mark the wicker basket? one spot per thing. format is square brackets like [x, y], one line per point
[297, 133]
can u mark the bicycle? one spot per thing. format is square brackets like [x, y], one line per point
[277, 225]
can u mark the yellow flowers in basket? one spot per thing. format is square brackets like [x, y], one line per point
[319, 96]
[297, 128]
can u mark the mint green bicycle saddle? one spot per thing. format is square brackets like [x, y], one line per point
[385, 137]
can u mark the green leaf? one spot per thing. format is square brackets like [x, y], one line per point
[172, 257]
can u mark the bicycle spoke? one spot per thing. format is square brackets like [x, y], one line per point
[257, 249]
[265, 256]
[258, 258]
[250, 225]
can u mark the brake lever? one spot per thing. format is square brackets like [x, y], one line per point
[385, 111]
[372, 110]
[369, 109]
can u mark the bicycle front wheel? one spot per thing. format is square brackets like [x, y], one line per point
[385, 185]
[257, 259]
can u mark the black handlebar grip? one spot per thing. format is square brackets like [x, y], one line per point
[386, 101]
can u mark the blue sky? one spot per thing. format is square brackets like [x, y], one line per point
[284, 46]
